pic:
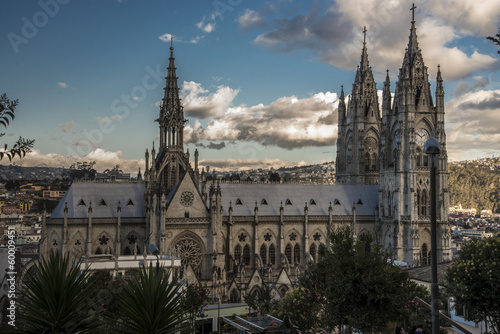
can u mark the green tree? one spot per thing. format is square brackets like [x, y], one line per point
[356, 284]
[261, 300]
[495, 39]
[22, 146]
[195, 298]
[472, 280]
[57, 298]
[301, 308]
[81, 171]
[150, 303]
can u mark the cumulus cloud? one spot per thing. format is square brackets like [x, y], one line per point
[62, 85]
[104, 160]
[251, 19]
[246, 164]
[67, 127]
[333, 33]
[473, 125]
[288, 122]
[200, 105]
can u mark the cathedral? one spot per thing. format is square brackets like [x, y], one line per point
[236, 237]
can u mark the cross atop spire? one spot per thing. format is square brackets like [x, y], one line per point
[364, 35]
[413, 7]
[171, 42]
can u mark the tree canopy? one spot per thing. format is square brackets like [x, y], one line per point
[472, 280]
[22, 146]
[357, 285]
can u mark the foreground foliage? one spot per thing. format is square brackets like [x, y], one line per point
[356, 285]
[22, 146]
[57, 299]
[473, 280]
[150, 303]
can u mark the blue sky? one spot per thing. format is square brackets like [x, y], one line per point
[259, 79]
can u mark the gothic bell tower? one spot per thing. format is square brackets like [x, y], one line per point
[170, 164]
[359, 129]
[405, 168]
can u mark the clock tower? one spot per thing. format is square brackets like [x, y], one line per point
[408, 121]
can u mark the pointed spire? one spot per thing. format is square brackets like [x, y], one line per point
[171, 100]
[365, 66]
[413, 44]
[342, 97]
[386, 95]
[439, 81]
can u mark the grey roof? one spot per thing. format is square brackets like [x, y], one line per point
[104, 198]
[295, 196]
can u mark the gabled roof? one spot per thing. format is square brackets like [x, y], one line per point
[80, 196]
[298, 195]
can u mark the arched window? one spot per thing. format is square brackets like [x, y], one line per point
[425, 254]
[418, 201]
[263, 254]
[374, 162]
[235, 298]
[296, 254]
[426, 160]
[272, 254]
[98, 251]
[423, 203]
[288, 253]
[312, 251]
[237, 253]
[246, 255]
[367, 162]
[127, 251]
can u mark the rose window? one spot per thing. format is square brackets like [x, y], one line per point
[189, 251]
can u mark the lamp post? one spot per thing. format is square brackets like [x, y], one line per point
[155, 251]
[433, 148]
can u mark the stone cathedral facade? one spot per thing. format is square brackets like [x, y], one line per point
[235, 237]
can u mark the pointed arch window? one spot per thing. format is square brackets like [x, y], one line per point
[272, 254]
[238, 202]
[263, 202]
[360, 202]
[103, 203]
[336, 202]
[246, 255]
[423, 203]
[288, 202]
[129, 203]
[237, 253]
[367, 162]
[296, 254]
[98, 251]
[288, 253]
[82, 203]
[263, 254]
[127, 251]
[419, 157]
[374, 164]
[425, 255]
[312, 202]
[312, 251]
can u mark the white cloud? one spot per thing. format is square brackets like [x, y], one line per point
[473, 125]
[165, 38]
[104, 160]
[334, 34]
[207, 27]
[251, 19]
[289, 122]
[62, 85]
[199, 105]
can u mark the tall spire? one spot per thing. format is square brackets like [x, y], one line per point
[171, 100]
[386, 95]
[413, 44]
[365, 66]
